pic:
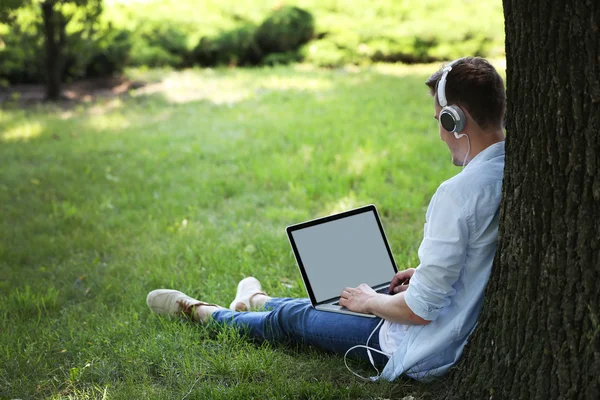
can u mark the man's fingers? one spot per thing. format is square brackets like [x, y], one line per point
[400, 288]
[399, 278]
[395, 282]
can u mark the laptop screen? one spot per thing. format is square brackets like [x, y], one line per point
[342, 251]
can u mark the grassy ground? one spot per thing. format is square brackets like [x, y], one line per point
[189, 183]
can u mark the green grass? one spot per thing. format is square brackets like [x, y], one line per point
[189, 183]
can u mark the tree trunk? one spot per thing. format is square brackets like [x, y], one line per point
[538, 336]
[52, 34]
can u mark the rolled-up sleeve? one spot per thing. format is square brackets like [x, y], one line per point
[442, 255]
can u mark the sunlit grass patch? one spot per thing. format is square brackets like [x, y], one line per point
[223, 87]
[22, 132]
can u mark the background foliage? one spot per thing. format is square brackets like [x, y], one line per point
[160, 33]
[92, 47]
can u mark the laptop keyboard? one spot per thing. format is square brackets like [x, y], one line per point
[383, 290]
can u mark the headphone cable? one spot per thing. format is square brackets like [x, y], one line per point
[468, 150]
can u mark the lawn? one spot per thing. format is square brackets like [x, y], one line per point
[189, 183]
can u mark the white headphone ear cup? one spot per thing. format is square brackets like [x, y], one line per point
[452, 119]
[459, 118]
[447, 119]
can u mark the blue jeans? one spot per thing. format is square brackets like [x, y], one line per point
[288, 320]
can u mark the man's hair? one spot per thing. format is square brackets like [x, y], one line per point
[475, 85]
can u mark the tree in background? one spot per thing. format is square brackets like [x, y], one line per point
[53, 18]
[539, 333]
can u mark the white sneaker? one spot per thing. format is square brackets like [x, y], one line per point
[247, 288]
[171, 302]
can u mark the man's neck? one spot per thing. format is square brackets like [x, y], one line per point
[484, 139]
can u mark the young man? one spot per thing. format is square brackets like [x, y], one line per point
[423, 327]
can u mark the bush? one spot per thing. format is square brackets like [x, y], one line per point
[111, 54]
[282, 58]
[160, 44]
[286, 29]
[235, 47]
[326, 53]
[142, 54]
[275, 41]
[403, 49]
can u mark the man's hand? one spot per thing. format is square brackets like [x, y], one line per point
[400, 282]
[356, 299]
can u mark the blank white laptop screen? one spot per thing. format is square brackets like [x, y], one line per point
[343, 253]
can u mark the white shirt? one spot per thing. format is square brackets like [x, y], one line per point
[456, 256]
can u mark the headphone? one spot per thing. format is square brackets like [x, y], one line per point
[452, 118]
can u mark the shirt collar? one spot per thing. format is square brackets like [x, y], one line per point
[495, 150]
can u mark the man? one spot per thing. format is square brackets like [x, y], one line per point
[423, 327]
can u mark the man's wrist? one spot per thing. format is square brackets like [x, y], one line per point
[372, 304]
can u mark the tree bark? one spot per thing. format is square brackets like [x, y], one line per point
[53, 37]
[538, 336]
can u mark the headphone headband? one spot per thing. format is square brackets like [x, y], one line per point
[442, 84]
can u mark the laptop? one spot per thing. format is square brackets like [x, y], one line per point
[339, 251]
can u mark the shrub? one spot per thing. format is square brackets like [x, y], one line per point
[235, 47]
[111, 54]
[402, 49]
[152, 56]
[325, 53]
[286, 29]
[275, 41]
[160, 44]
[282, 58]
[20, 49]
